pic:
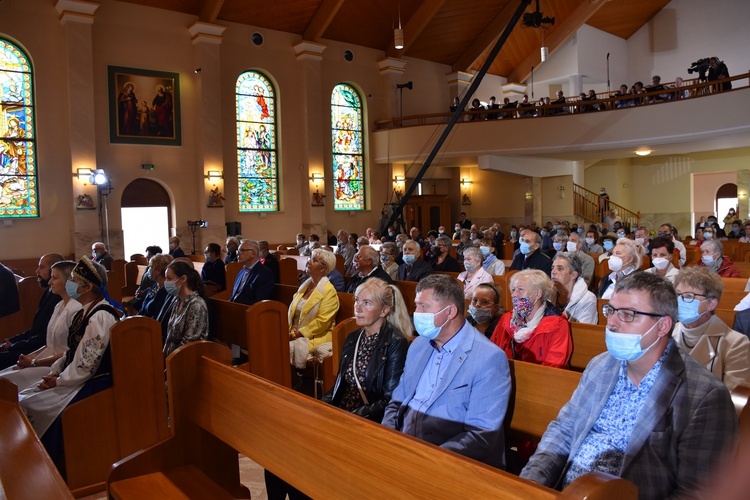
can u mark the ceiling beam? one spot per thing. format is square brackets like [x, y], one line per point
[210, 10]
[486, 38]
[322, 19]
[556, 38]
[417, 23]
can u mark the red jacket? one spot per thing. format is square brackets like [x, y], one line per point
[551, 343]
[727, 269]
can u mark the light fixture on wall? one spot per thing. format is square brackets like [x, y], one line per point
[562, 191]
[466, 183]
[316, 177]
[528, 196]
[214, 175]
[83, 174]
[103, 184]
[398, 33]
[643, 152]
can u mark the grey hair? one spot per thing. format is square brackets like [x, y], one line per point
[573, 261]
[371, 254]
[632, 249]
[660, 291]
[327, 257]
[475, 251]
[716, 244]
[253, 244]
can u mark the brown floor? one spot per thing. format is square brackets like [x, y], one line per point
[251, 475]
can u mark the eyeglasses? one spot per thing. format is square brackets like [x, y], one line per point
[241, 250]
[626, 315]
[482, 303]
[688, 297]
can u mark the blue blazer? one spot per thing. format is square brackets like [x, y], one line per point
[258, 286]
[467, 410]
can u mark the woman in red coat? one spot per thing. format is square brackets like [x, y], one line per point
[534, 331]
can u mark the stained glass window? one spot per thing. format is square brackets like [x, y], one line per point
[348, 149]
[18, 182]
[257, 155]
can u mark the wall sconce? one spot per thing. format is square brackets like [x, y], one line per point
[214, 175]
[562, 191]
[316, 177]
[83, 174]
[398, 179]
[466, 183]
[528, 196]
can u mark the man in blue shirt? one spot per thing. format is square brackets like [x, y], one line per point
[644, 411]
[455, 386]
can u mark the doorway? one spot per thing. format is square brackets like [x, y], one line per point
[146, 216]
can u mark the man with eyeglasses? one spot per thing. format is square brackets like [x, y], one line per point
[668, 231]
[645, 410]
[254, 281]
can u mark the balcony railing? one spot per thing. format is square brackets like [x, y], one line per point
[690, 89]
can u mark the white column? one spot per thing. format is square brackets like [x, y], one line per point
[575, 82]
[392, 73]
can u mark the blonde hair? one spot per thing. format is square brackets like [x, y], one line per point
[389, 296]
[538, 280]
[633, 249]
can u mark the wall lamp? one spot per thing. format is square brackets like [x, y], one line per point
[465, 183]
[214, 175]
[316, 177]
[83, 174]
[398, 179]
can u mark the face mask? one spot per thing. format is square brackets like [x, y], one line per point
[554, 227]
[399, 244]
[71, 287]
[440, 231]
[341, 243]
[391, 234]
[620, 235]
[571, 246]
[525, 248]
[590, 241]
[513, 234]
[485, 251]
[480, 315]
[172, 288]
[470, 266]
[544, 234]
[601, 191]
[557, 245]
[710, 223]
[522, 306]
[457, 228]
[560, 231]
[473, 236]
[660, 263]
[424, 323]
[94, 255]
[708, 260]
[708, 236]
[608, 245]
[735, 230]
[627, 346]
[409, 259]
[614, 263]
[384, 259]
[688, 313]
[207, 255]
[172, 246]
[640, 240]
[579, 230]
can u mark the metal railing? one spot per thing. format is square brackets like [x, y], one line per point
[591, 207]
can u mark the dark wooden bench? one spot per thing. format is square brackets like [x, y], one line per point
[26, 471]
[588, 342]
[218, 411]
[29, 293]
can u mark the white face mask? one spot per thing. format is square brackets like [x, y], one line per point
[660, 263]
[590, 241]
[571, 246]
[614, 263]
[708, 260]
[640, 240]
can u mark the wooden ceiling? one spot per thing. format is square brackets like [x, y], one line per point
[458, 33]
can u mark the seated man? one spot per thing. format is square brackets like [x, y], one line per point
[36, 336]
[232, 244]
[413, 268]
[493, 105]
[668, 231]
[560, 100]
[313, 243]
[645, 410]
[254, 281]
[213, 273]
[269, 260]
[100, 255]
[455, 386]
[368, 264]
[174, 248]
[345, 249]
[531, 255]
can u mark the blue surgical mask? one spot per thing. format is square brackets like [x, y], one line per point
[512, 234]
[384, 259]
[485, 251]
[557, 245]
[608, 245]
[580, 230]
[525, 248]
[627, 346]
[687, 312]
[71, 287]
[544, 233]
[409, 259]
[172, 288]
[424, 323]
[735, 229]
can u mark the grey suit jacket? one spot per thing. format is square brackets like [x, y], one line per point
[465, 413]
[686, 424]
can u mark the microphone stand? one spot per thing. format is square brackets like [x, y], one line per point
[609, 91]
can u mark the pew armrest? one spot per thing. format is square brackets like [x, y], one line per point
[600, 486]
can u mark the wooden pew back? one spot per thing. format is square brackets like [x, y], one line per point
[588, 342]
[130, 415]
[267, 333]
[288, 274]
[218, 411]
[340, 332]
[346, 306]
[408, 290]
[29, 293]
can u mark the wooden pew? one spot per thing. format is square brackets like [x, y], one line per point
[284, 293]
[129, 416]
[267, 340]
[743, 268]
[218, 411]
[741, 400]
[340, 332]
[588, 342]
[29, 293]
[346, 306]
[26, 471]
[730, 299]
[115, 283]
[726, 315]
[408, 290]
[288, 273]
[600, 303]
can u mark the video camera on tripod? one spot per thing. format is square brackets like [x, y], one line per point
[700, 66]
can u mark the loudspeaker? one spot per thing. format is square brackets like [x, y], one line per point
[233, 228]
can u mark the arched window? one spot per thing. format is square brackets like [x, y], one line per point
[257, 154]
[348, 149]
[18, 178]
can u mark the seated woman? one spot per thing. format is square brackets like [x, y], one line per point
[312, 312]
[442, 260]
[625, 258]
[475, 273]
[713, 260]
[607, 242]
[377, 351]
[485, 308]
[591, 245]
[533, 331]
[32, 367]
[156, 295]
[189, 319]
[571, 295]
[723, 351]
[86, 366]
[662, 251]
[388, 255]
[491, 263]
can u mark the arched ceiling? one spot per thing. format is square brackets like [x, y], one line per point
[454, 32]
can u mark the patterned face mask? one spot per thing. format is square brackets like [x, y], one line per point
[522, 306]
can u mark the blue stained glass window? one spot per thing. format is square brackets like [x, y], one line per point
[348, 149]
[257, 155]
[18, 169]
